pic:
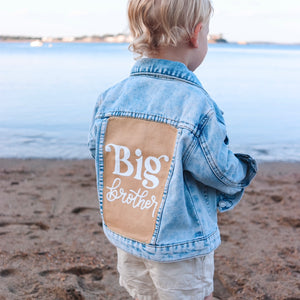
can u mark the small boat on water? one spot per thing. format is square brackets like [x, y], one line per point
[36, 43]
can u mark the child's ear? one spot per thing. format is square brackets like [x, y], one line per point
[195, 36]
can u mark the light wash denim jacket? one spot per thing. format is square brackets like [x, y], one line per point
[163, 164]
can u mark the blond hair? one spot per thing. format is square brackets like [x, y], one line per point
[158, 23]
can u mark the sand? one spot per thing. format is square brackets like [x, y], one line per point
[52, 245]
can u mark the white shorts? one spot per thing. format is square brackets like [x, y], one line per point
[148, 280]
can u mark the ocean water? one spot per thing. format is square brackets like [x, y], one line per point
[47, 96]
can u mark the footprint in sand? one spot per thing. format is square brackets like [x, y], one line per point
[288, 221]
[96, 273]
[7, 272]
[60, 293]
[40, 225]
[88, 278]
[78, 210]
[79, 271]
[277, 198]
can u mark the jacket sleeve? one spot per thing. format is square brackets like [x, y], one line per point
[212, 163]
[93, 128]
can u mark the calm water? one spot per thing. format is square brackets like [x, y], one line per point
[47, 96]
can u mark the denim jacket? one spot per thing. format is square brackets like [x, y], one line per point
[163, 163]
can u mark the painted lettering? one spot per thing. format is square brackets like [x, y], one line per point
[152, 165]
[118, 159]
[139, 164]
[137, 199]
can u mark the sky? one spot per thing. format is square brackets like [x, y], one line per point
[238, 20]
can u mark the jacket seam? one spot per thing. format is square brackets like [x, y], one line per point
[165, 195]
[205, 237]
[187, 154]
[170, 77]
[192, 201]
[196, 135]
[153, 117]
[213, 166]
[165, 76]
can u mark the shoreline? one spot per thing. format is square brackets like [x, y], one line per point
[212, 42]
[53, 246]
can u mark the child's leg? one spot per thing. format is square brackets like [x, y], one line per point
[187, 280]
[147, 280]
[134, 277]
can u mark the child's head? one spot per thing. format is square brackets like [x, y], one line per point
[155, 24]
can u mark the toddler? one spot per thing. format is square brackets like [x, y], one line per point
[162, 159]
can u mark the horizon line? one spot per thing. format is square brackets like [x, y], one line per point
[73, 38]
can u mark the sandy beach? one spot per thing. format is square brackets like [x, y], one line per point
[52, 245]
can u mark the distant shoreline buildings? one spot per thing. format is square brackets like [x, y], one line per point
[108, 38]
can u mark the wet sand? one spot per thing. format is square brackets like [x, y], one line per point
[52, 245]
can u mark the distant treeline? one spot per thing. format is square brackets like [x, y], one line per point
[93, 37]
[110, 38]
[17, 37]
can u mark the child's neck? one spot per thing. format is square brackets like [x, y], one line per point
[181, 54]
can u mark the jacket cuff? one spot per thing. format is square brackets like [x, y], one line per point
[251, 165]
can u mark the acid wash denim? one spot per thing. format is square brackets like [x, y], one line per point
[162, 105]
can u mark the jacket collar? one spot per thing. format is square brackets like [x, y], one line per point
[174, 69]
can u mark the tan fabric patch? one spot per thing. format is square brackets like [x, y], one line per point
[137, 160]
